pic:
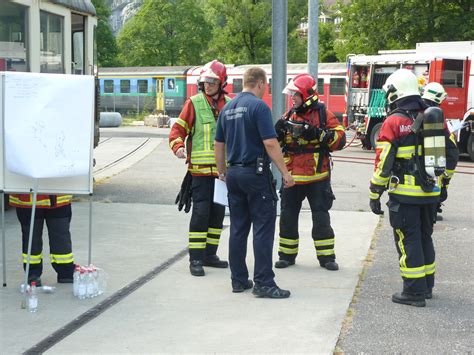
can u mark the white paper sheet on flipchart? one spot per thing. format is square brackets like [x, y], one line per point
[47, 120]
[220, 193]
[455, 125]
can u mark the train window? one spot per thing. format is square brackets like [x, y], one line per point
[337, 86]
[124, 86]
[77, 23]
[237, 86]
[452, 76]
[51, 43]
[320, 86]
[109, 86]
[13, 44]
[143, 86]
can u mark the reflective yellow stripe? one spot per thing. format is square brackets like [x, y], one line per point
[373, 195]
[410, 190]
[336, 136]
[413, 272]
[430, 269]
[34, 259]
[288, 250]
[409, 180]
[315, 177]
[323, 242]
[450, 173]
[203, 157]
[289, 241]
[324, 252]
[197, 235]
[385, 149]
[199, 169]
[379, 180]
[408, 151]
[213, 241]
[196, 245]
[215, 231]
[63, 199]
[177, 140]
[62, 258]
[402, 260]
[183, 124]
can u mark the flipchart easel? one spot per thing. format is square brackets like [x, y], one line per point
[60, 96]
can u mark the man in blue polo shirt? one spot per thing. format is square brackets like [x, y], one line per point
[245, 131]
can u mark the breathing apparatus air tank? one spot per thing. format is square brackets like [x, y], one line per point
[434, 145]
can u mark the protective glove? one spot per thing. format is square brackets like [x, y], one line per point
[311, 132]
[183, 199]
[375, 206]
[280, 128]
[443, 196]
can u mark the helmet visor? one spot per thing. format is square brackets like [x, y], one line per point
[207, 79]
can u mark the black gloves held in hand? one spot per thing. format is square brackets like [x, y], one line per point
[375, 206]
[443, 196]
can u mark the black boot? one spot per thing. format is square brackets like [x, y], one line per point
[281, 264]
[330, 265]
[195, 266]
[214, 261]
[409, 299]
[429, 294]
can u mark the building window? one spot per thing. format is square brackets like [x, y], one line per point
[13, 41]
[237, 86]
[124, 86]
[337, 86]
[143, 86]
[320, 86]
[109, 86]
[51, 43]
[453, 73]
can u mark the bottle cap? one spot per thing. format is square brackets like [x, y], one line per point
[33, 284]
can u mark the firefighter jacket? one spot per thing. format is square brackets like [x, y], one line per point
[309, 160]
[395, 165]
[42, 201]
[197, 122]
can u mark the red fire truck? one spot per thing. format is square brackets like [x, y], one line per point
[448, 63]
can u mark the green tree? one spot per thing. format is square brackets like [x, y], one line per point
[242, 30]
[164, 33]
[371, 25]
[107, 54]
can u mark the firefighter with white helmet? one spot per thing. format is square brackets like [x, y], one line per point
[411, 161]
[434, 95]
[197, 123]
[308, 132]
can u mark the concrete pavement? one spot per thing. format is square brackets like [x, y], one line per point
[174, 312]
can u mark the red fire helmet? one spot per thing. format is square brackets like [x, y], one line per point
[303, 84]
[213, 71]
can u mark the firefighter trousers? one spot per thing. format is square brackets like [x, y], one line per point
[412, 228]
[320, 198]
[207, 219]
[60, 245]
[252, 203]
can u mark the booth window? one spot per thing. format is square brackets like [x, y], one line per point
[237, 86]
[124, 86]
[337, 86]
[320, 86]
[143, 86]
[108, 86]
[13, 39]
[51, 43]
[453, 71]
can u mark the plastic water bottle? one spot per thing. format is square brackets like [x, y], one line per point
[90, 287]
[82, 287]
[32, 298]
[75, 284]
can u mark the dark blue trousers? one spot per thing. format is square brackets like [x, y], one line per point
[252, 203]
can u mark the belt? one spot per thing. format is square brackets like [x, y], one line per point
[244, 165]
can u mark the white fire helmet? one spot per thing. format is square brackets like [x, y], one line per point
[402, 83]
[434, 92]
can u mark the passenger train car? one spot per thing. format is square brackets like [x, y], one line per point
[164, 89]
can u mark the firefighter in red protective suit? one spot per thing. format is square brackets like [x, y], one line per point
[55, 210]
[197, 122]
[308, 133]
[412, 155]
